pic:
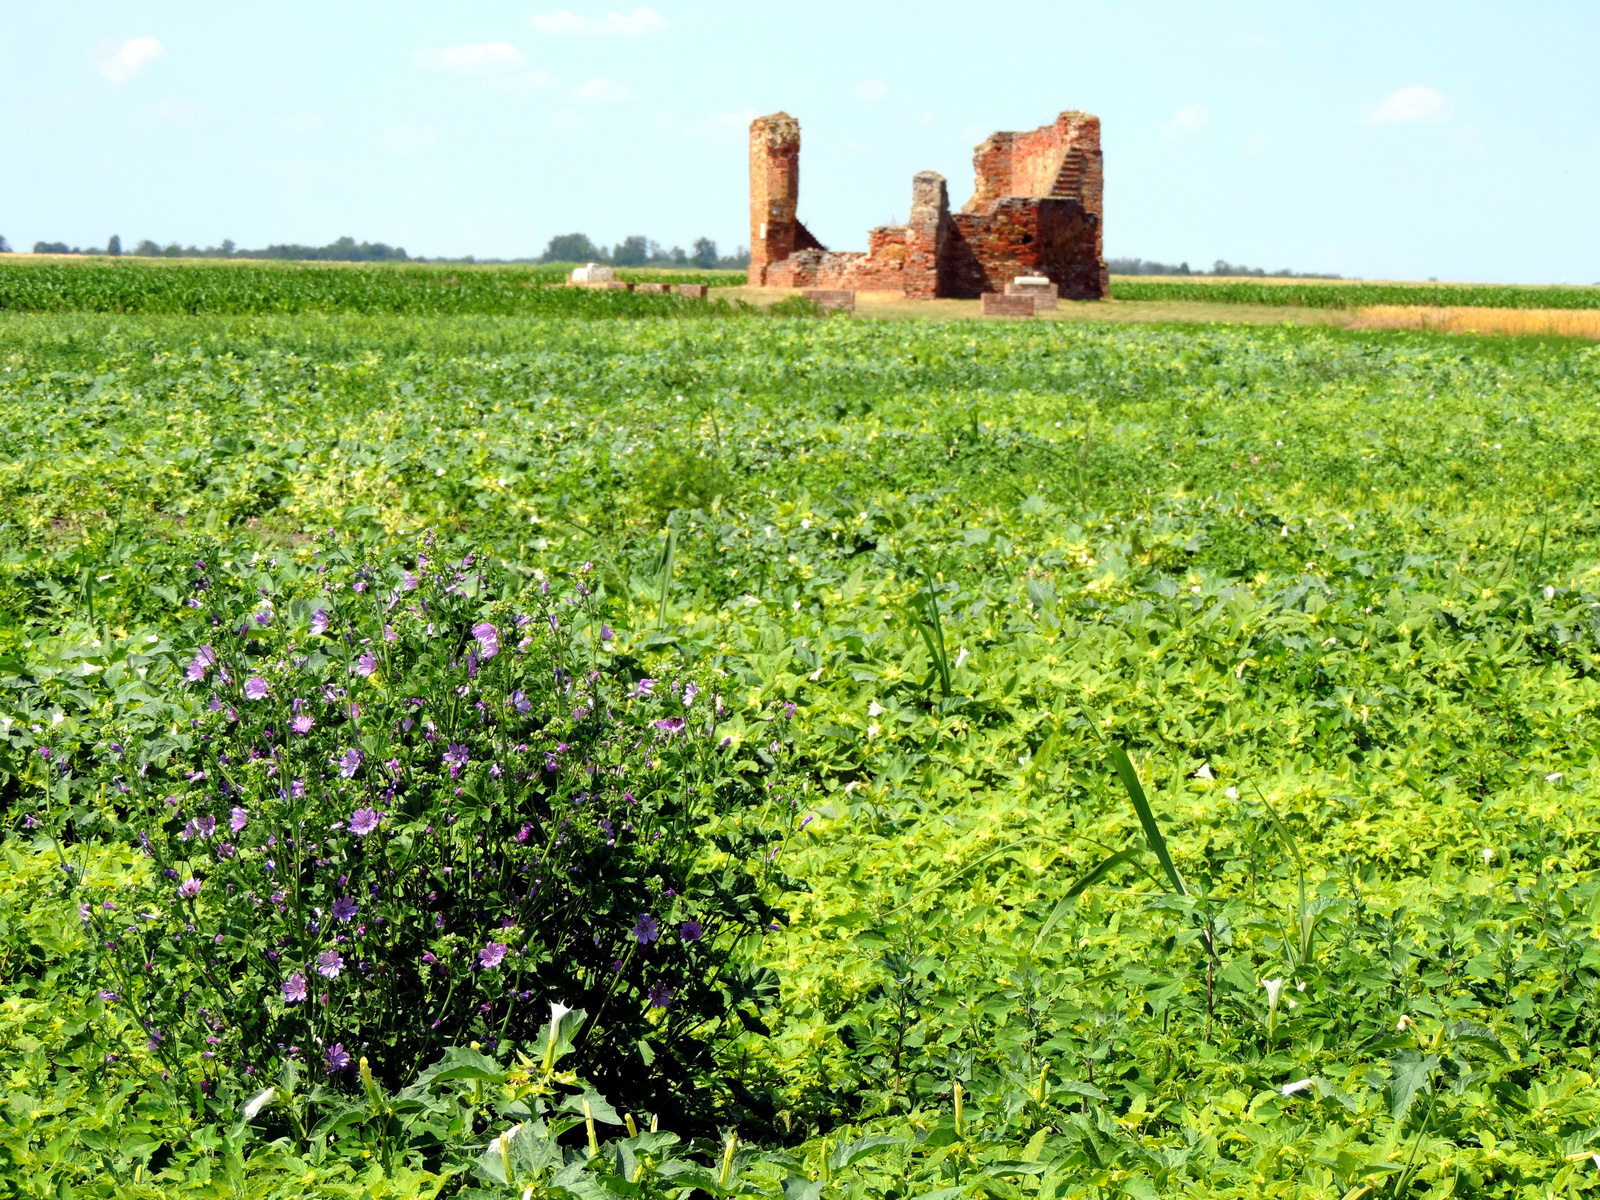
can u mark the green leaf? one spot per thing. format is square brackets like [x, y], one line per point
[1099, 871]
[1410, 1073]
[1152, 831]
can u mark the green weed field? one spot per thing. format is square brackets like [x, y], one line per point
[1172, 751]
[1354, 294]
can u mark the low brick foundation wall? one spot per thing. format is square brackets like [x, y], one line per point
[997, 305]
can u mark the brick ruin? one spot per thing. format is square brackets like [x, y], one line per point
[1035, 210]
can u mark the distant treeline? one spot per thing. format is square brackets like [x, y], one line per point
[640, 251]
[637, 251]
[1139, 266]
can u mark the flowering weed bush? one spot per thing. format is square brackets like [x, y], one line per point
[418, 809]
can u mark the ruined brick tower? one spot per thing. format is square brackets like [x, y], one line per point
[1036, 208]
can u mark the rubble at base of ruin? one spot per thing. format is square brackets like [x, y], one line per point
[1036, 211]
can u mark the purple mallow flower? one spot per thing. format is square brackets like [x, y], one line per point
[238, 819]
[670, 725]
[255, 688]
[660, 996]
[488, 639]
[319, 623]
[294, 989]
[519, 698]
[349, 763]
[302, 723]
[204, 659]
[690, 931]
[338, 1058]
[645, 929]
[492, 955]
[366, 665]
[329, 964]
[189, 888]
[345, 908]
[364, 820]
[456, 757]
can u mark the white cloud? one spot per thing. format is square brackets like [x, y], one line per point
[408, 140]
[872, 90]
[1407, 106]
[600, 90]
[723, 127]
[301, 122]
[567, 120]
[498, 65]
[119, 61]
[176, 111]
[562, 23]
[1191, 118]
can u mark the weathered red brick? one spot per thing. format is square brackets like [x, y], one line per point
[695, 291]
[839, 298]
[997, 305]
[1036, 209]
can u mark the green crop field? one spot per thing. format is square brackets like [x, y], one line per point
[932, 760]
[247, 287]
[1336, 293]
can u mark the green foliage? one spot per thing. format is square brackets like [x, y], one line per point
[1340, 294]
[797, 306]
[1327, 599]
[238, 288]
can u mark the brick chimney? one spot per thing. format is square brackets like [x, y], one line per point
[774, 191]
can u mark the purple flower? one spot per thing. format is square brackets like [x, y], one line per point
[189, 888]
[263, 615]
[297, 789]
[408, 581]
[520, 699]
[645, 929]
[492, 955]
[294, 989]
[690, 691]
[644, 687]
[364, 820]
[302, 723]
[108, 996]
[660, 996]
[359, 586]
[366, 665]
[349, 762]
[345, 908]
[319, 623]
[329, 964]
[690, 931]
[456, 757]
[488, 639]
[670, 725]
[238, 819]
[255, 688]
[605, 632]
[338, 1058]
[204, 659]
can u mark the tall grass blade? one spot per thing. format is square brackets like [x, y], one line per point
[1152, 831]
[666, 576]
[1095, 873]
[1303, 918]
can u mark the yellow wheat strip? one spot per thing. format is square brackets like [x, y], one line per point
[1533, 322]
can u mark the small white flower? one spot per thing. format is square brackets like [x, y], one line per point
[257, 1102]
[875, 709]
[872, 731]
[1204, 772]
[1549, 593]
[1274, 990]
[1488, 855]
[1553, 777]
[962, 657]
[1298, 1085]
[557, 1011]
[502, 1144]
[1231, 793]
[1403, 1023]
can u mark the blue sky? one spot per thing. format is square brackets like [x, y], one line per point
[1396, 139]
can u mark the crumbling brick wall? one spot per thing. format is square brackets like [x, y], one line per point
[1036, 208]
